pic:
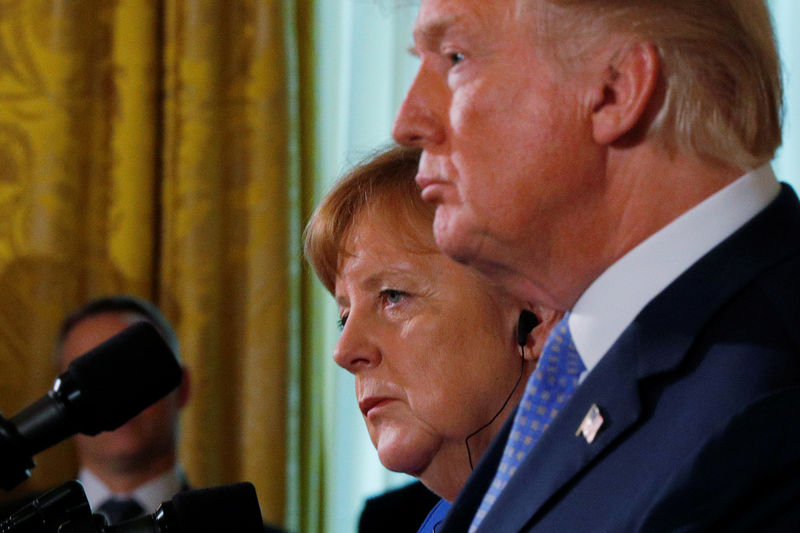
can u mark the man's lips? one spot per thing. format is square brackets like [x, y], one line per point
[431, 188]
[373, 402]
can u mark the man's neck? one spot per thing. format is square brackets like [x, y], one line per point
[125, 478]
[645, 191]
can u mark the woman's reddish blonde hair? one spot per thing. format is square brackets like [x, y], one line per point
[382, 184]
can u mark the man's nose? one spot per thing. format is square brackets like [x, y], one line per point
[419, 120]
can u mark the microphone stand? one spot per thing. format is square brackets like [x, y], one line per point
[62, 509]
[65, 509]
[84, 523]
[15, 464]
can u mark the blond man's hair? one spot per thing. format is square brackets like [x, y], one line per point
[721, 88]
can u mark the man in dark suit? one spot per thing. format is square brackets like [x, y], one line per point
[610, 159]
[128, 472]
[132, 470]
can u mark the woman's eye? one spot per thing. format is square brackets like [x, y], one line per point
[392, 296]
[342, 321]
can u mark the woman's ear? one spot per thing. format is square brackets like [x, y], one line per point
[548, 318]
[628, 85]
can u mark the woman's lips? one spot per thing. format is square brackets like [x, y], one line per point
[373, 403]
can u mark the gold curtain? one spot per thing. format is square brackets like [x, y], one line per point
[144, 148]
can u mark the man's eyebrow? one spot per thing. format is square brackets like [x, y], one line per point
[432, 32]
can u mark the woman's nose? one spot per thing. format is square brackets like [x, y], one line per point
[356, 348]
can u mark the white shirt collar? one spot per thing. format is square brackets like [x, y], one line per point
[614, 299]
[150, 495]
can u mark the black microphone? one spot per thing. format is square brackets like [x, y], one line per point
[99, 391]
[226, 508]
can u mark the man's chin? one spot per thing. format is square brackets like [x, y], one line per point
[455, 241]
[131, 463]
[123, 458]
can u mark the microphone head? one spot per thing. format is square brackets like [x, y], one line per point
[231, 507]
[112, 383]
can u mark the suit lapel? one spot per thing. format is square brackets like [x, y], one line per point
[656, 342]
[559, 454]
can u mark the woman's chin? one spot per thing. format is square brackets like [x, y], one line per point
[410, 452]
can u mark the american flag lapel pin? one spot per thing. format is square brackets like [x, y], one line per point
[591, 424]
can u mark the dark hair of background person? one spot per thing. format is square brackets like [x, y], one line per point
[119, 304]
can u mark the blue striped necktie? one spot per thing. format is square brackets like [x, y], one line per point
[549, 387]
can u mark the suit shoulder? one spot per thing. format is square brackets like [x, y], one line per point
[751, 466]
[781, 288]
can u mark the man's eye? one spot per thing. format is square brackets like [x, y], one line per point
[455, 57]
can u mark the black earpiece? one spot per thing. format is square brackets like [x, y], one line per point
[527, 321]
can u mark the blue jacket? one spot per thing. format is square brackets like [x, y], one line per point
[701, 401]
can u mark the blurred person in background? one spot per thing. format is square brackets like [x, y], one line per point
[130, 471]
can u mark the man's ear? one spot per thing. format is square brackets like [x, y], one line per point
[628, 86]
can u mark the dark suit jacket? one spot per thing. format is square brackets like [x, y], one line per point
[701, 400]
[400, 510]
